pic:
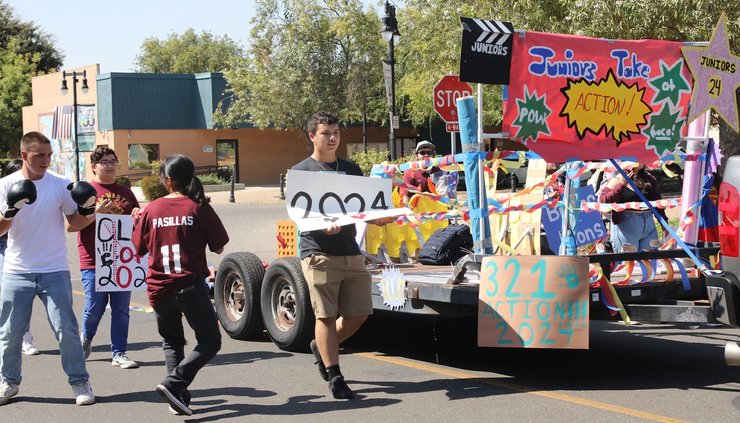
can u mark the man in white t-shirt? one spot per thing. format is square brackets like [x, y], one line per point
[36, 265]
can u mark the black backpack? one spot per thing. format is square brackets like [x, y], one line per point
[447, 245]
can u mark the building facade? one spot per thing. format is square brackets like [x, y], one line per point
[146, 117]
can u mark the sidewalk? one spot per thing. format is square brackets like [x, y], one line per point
[248, 195]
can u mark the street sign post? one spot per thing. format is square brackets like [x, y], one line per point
[446, 93]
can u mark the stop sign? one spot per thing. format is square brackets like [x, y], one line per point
[446, 92]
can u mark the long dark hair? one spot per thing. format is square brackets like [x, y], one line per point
[12, 166]
[181, 171]
[643, 180]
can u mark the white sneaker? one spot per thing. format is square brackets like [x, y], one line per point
[121, 360]
[28, 348]
[83, 394]
[7, 391]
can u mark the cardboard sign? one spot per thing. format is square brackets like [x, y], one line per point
[717, 74]
[533, 302]
[485, 54]
[117, 267]
[588, 228]
[316, 200]
[580, 98]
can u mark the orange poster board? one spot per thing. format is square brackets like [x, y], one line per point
[533, 302]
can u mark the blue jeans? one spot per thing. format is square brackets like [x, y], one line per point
[636, 228]
[16, 301]
[195, 304]
[95, 303]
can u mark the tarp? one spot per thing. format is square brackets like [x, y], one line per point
[594, 98]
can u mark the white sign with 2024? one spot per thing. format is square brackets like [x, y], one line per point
[317, 200]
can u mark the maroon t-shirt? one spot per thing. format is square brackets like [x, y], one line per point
[175, 233]
[123, 200]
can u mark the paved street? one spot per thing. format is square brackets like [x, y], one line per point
[403, 369]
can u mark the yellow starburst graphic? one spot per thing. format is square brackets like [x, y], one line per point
[606, 105]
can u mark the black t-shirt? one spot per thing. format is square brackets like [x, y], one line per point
[317, 242]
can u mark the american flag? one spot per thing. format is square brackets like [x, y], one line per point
[61, 128]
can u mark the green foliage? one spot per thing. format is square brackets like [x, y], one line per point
[305, 56]
[188, 53]
[152, 187]
[123, 180]
[154, 167]
[32, 42]
[211, 179]
[367, 160]
[16, 71]
[139, 165]
[25, 51]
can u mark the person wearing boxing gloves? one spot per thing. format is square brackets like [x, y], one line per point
[36, 263]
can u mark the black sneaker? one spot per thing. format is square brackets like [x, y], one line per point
[339, 388]
[186, 397]
[176, 403]
[319, 361]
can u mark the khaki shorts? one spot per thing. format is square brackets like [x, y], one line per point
[338, 285]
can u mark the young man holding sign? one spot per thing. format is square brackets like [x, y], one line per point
[112, 198]
[334, 267]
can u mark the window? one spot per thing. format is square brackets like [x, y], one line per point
[140, 156]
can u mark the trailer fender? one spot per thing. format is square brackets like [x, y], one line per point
[723, 290]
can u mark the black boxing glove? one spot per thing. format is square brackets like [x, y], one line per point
[85, 196]
[19, 194]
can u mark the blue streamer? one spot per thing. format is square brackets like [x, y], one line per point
[684, 275]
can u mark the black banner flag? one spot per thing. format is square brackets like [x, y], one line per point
[486, 51]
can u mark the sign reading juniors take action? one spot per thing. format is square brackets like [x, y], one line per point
[117, 267]
[317, 200]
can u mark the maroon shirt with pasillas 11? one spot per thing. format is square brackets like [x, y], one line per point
[175, 232]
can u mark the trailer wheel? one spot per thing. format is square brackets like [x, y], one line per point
[236, 295]
[286, 307]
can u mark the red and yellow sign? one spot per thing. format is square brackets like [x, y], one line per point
[580, 98]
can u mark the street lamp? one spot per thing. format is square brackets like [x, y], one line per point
[390, 34]
[84, 87]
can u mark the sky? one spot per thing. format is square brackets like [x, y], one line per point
[110, 33]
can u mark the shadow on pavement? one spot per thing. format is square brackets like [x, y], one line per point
[619, 358]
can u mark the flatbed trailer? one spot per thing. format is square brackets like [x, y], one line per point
[250, 299]
[433, 290]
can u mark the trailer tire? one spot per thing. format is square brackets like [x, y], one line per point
[286, 306]
[236, 295]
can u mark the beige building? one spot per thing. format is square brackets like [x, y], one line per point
[146, 117]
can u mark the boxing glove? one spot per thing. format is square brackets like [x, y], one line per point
[84, 195]
[19, 194]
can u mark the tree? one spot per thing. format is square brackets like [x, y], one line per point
[16, 71]
[25, 51]
[30, 40]
[306, 56]
[188, 53]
